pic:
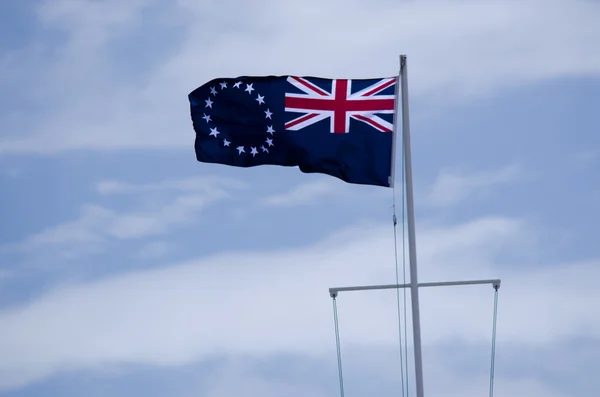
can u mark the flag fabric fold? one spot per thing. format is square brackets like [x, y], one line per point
[342, 128]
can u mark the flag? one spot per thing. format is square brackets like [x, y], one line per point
[342, 128]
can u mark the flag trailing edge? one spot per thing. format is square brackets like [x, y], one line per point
[339, 127]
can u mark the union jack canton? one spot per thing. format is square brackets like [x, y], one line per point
[339, 104]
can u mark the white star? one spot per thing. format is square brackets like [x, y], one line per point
[270, 129]
[253, 151]
[269, 142]
[260, 99]
[264, 149]
[240, 149]
[206, 117]
[268, 114]
[226, 142]
[213, 91]
[208, 103]
[249, 88]
[214, 132]
[223, 85]
[237, 84]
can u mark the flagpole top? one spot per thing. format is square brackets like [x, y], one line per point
[402, 62]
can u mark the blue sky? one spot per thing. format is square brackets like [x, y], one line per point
[128, 267]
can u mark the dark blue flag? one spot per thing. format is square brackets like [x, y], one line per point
[342, 128]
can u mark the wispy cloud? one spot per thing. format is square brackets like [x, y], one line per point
[451, 187]
[12, 173]
[4, 274]
[153, 250]
[380, 366]
[96, 222]
[308, 193]
[196, 184]
[482, 46]
[268, 303]
[97, 225]
[587, 157]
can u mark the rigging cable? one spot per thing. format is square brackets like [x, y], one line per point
[404, 265]
[403, 352]
[398, 299]
[337, 344]
[492, 365]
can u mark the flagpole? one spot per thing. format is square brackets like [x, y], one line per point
[392, 178]
[412, 246]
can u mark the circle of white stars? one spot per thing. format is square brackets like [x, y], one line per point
[214, 131]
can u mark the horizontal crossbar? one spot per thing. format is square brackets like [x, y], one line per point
[333, 292]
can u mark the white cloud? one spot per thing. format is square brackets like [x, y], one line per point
[155, 249]
[96, 224]
[82, 231]
[196, 184]
[450, 187]
[272, 302]
[12, 173]
[368, 369]
[249, 384]
[587, 157]
[78, 15]
[5, 274]
[464, 48]
[447, 383]
[307, 193]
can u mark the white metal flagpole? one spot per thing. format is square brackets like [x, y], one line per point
[392, 178]
[412, 246]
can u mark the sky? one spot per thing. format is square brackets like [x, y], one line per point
[129, 268]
